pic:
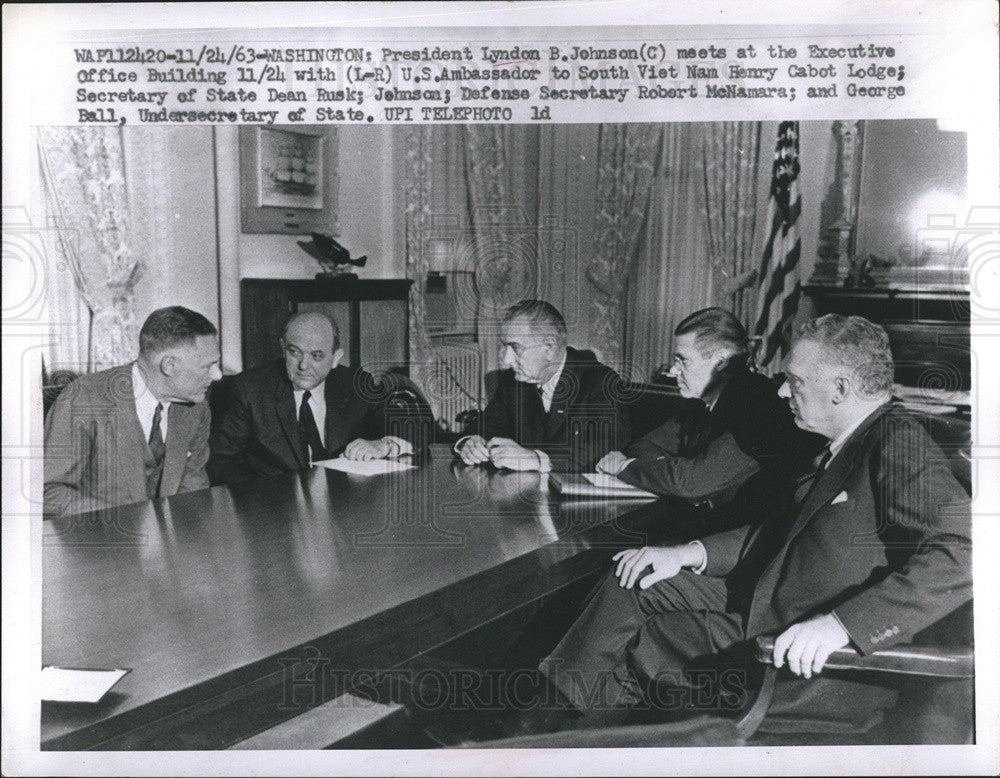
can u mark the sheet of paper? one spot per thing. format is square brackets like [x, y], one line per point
[607, 481]
[371, 467]
[64, 684]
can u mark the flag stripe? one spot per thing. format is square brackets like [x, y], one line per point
[778, 274]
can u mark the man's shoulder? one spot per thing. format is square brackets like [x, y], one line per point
[105, 386]
[892, 420]
[346, 375]
[749, 403]
[264, 376]
[752, 389]
[585, 362]
[894, 435]
[593, 376]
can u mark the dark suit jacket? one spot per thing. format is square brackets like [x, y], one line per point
[748, 436]
[882, 539]
[585, 421]
[256, 432]
[95, 449]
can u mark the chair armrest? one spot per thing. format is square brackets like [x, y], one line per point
[933, 661]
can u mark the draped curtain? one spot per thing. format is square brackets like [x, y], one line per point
[434, 204]
[673, 276]
[658, 223]
[626, 161]
[417, 213]
[502, 180]
[730, 152]
[87, 205]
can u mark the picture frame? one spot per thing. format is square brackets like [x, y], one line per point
[288, 180]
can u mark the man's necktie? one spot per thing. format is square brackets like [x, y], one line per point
[805, 483]
[541, 395]
[765, 542]
[310, 432]
[158, 449]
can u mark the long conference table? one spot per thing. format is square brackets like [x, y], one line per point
[215, 599]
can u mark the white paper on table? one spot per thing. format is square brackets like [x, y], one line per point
[371, 467]
[606, 481]
[65, 684]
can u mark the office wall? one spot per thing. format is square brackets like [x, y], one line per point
[366, 218]
[181, 264]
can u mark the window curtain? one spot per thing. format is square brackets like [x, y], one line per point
[434, 204]
[729, 153]
[567, 196]
[502, 179]
[87, 204]
[673, 276]
[417, 214]
[626, 162]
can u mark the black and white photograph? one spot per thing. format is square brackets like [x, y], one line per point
[485, 443]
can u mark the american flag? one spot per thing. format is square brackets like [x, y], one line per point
[778, 274]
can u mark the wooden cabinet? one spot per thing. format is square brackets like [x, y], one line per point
[373, 316]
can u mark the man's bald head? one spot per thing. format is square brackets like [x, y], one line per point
[312, 348]
[314, 324]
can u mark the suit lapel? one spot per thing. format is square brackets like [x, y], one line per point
[823, 491]
[284, 407]
[128, 441]
[179, 421]
[555, 419]
[336, 395]
[831, 481]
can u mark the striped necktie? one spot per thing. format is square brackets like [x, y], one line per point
[158, 449]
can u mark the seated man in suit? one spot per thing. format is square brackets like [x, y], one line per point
[738, 435]
[283, 416]
[555, 408]
[872, 548]
[138, 431]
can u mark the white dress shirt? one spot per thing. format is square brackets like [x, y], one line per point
[548, 389]
[838, 443]
[145, 405]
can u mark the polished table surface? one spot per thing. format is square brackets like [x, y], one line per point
[207, 591]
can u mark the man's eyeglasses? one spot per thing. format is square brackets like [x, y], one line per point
[517, 348]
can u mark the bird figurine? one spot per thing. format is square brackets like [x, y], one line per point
[332, 257]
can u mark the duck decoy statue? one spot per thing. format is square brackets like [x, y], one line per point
[332, 257]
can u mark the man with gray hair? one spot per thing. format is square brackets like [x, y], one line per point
[285, 415]
[555, 407]
[138, 431]
[871, 549]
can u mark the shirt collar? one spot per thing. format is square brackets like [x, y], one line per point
[838, 443]
[318, 393]
[144, 398]
[549, 387]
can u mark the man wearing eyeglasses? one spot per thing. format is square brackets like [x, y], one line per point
[555, 407]
[306, 407]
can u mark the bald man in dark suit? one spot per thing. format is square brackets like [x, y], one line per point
[283, 416]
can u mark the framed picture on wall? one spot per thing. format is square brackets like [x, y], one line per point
[288, 180]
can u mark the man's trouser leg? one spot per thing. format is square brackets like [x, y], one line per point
[591, 665]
